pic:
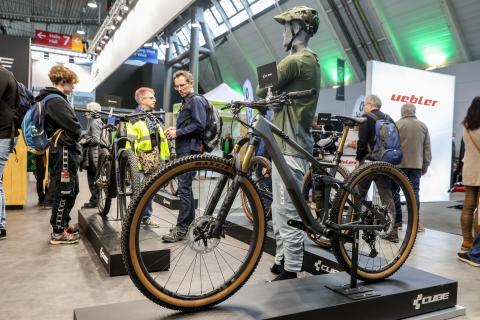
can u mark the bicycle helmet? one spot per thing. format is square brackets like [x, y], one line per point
[307, 16]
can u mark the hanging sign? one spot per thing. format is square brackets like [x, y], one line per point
[148, 55]
[58, 40]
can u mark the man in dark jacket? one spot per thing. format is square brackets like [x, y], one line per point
[62, 126]
[8, 100]
[191, 123]
[365, 144]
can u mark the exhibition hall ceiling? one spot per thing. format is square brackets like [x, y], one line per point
[23, 17]
[416, 33]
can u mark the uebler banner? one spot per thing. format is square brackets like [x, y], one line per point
[15, 56]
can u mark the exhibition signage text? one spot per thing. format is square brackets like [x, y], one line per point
[58, 40]
[149, 55]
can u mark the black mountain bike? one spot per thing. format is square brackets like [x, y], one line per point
[210, 265]
[118, 171]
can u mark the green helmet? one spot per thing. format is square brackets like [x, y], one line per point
[306, 15]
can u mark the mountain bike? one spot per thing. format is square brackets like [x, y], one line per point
[210, 265]
[118, 173]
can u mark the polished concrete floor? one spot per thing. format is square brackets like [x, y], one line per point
[41, 281]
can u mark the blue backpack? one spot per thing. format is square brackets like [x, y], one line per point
[387, 141]
[33, 127]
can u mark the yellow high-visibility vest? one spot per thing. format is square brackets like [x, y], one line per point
[140, 133]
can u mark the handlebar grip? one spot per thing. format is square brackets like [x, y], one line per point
[302, 94]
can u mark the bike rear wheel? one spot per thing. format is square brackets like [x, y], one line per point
[102, 181]
[129, 181]
[381, 252]
[202, 270]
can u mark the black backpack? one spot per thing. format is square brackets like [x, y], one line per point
[213, 128]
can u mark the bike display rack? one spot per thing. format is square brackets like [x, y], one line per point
[409, 293]
[104, 234]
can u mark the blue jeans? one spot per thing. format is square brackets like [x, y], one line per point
[474, 252]
[4, 153]
[186, 213]
[414, 176]
[148, 210]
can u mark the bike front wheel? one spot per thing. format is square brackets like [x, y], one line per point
[375, 191]
[201, 270]
[129, 181]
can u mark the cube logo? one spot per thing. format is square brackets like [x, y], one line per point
[6, 62]
[420, 300]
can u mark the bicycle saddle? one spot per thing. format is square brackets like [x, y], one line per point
[350, 121]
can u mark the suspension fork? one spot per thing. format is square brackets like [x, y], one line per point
[241, 170]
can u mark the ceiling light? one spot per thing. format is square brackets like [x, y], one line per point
[125, 7]
[92, 4]
[119, 18]
[112, 27]
[81, 31]
[99, 48]
[336, 86]
[106, 37]
[103, 42]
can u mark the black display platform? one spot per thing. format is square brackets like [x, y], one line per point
[105, 235]
[170, 201]
[315, 259]
[408, 293]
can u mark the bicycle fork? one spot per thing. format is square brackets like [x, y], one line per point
[241, 171]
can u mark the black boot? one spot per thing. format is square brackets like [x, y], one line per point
[277, 268]
[285, 275]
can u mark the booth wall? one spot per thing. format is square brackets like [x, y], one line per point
[467, 84]
[40, 69]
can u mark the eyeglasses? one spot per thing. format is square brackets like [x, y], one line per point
[152, 97]
[181, 86]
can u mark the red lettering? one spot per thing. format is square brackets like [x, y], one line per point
[427, 102]
[404, 99]
[395, 97]
[413, 99]
[434, 102]
[420, 100]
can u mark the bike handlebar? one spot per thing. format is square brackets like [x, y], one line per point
[281, 99]
[120, 115]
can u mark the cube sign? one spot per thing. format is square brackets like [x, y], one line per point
[433, 95]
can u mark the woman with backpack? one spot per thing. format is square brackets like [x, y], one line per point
[471, 173]
[62, 127]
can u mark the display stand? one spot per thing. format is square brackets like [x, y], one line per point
[315, 259]
[170, 201]
[408, 293]
[105, 237]
[353, 290]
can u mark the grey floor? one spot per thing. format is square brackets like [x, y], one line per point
[41, 281]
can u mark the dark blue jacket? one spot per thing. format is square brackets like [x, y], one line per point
[191, 123]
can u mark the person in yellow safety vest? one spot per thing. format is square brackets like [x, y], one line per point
[149, 137]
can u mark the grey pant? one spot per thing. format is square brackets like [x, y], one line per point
[289, 239]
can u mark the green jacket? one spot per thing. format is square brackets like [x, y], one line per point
[296, 72]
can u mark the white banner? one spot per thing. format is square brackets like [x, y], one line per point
[433, 95]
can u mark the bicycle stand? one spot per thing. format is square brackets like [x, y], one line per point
[353, 290]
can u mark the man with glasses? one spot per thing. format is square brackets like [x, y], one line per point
[191, 123]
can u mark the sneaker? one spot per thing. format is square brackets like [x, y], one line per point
[463, 256]
[89, 205]
[175, 235]
[421, 228]
[147, 222]
[3, 234]
[73, 228]
[64, 238]
[393, 236]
